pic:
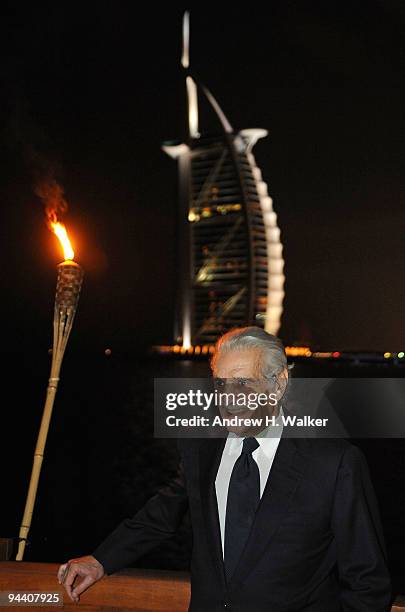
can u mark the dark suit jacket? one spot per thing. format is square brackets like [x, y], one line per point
[316, 544]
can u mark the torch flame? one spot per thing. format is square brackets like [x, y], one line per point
[60, 230]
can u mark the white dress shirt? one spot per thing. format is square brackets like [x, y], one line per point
[263, 455]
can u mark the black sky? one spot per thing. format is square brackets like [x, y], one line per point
[95, 88]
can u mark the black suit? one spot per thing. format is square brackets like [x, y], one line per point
[316, 544]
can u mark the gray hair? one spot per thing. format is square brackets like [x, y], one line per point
[274, 359]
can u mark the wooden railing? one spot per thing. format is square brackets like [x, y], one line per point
[130, 589]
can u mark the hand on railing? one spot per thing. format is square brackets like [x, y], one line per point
[88, 568]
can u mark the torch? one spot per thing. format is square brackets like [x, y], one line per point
[69, 281]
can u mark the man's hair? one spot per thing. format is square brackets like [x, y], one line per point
[274, 359]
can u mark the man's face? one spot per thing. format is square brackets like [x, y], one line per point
[238, 373]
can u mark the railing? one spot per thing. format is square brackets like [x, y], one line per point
[130, 589]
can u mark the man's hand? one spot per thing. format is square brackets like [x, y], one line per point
[86, 567]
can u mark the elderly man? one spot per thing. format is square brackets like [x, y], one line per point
[280, 524]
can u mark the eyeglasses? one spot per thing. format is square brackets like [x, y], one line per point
[221, 383]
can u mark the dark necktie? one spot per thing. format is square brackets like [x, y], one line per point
[241, 505]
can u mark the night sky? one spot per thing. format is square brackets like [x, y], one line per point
[90, 92]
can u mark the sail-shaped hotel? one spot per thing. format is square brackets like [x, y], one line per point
[229, 253]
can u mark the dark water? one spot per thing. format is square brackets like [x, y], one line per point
[102, 463]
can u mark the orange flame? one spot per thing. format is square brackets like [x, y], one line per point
[51, 193]
[60, 230]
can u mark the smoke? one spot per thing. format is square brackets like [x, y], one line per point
[39, 158]
[46, 184]
[52, 196]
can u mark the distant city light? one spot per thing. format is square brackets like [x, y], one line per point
[298, 351]
[192, 216]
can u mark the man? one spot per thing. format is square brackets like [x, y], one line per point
[280, 524]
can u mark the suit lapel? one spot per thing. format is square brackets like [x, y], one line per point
[210, 458]
[285, 474]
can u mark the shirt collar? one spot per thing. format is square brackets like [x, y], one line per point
[268, 438]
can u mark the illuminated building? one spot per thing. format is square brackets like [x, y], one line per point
[230, 264]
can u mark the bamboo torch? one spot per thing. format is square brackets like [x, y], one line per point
[69, 281]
